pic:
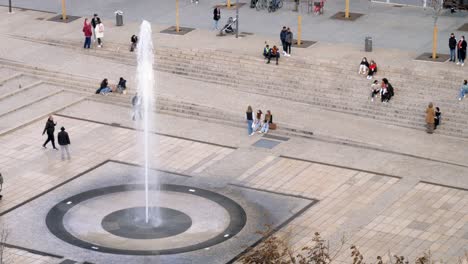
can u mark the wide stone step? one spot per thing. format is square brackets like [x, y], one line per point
[25, 97]
[37, 111]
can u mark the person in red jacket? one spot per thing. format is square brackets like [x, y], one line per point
[88, 32]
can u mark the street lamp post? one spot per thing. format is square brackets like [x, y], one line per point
[9, 7]
[237, 18]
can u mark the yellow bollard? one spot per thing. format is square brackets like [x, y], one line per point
[177, 16]
[64, 11]
[299, 29]
[434, 43]
[229, 3]
[347, 9]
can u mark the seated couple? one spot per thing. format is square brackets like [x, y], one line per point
[269, 53]
[105, 88]
[385, 90]
[367, 68]
[259, 123]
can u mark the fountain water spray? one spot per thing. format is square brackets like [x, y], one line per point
[145, 79]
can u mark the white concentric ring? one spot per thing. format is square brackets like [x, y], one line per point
[83, 220]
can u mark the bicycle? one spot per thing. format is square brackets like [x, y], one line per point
[261, 4]
[274, 5]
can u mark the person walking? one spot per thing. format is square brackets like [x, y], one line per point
[49, 128]
[1, 185]
[88, 32]
[283, 33]
[216, 17]
[249, 118]
[430, 116]
[99, 31]
[288, 40]
[461, 45]
[63, 140]
[452, 46]
[93, 25]
[136, 105]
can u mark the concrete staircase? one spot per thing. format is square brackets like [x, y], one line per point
[333, 86]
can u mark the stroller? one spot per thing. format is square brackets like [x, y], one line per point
[318, 7]
[227, 29]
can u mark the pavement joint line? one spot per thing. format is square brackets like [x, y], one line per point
[274, 192]
[136, 129]
[33, 251]
[444, 185]
[273, 231]
[358, 145]
[342, 167]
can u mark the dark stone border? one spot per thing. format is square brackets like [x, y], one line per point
[304, 43]
[233, 5]
[341, 16]
[172, 30]
[58, 18]
[342, 167]
[276, 229]
[54, 219]
[428, 57]
[276, 137]
[463, 27]
[446, 186]
[156, 133]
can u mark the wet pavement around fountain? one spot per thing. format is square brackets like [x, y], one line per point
[407, 205]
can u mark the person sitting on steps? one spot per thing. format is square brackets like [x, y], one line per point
[372, 69]
[274, 52]
[266, 51]
[122, 86]
[364, 66]
[375, 89]
[104, 88]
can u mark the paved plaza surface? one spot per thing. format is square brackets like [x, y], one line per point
[349, 168]
[390, 26]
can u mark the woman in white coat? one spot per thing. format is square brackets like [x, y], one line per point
[99, 31]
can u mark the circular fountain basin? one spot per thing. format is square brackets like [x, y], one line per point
[111, 220]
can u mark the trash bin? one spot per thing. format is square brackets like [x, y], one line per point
[119, 18]
[368, 44]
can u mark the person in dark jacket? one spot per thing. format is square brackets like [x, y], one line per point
[289, 41]
[452, 46]
[437, 117]
[249, 118]
[283, 33]
[49, 128]
[64, 140]
[122, 86]
[216, 17]
[93, 25]
[461, 45]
